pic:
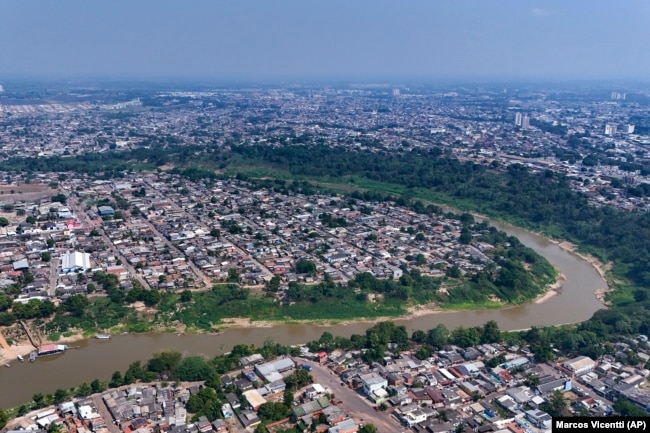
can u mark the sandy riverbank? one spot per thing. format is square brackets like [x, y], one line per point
[553, 289]
[599, 266]
[9, 353]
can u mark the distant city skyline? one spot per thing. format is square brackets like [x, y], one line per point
[364, 40]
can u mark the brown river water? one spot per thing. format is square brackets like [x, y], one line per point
[98, 359]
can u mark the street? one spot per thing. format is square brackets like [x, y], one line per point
[355, 404]
[106, 415]
[76, 207]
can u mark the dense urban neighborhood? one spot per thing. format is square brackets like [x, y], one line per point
[487, 387]
[598, 138]
[186, 211]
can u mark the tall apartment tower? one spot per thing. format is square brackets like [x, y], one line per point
[525, 122]
[518, 118]
[610, 129]
[396, 92]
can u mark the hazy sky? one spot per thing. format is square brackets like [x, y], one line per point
[357, 39]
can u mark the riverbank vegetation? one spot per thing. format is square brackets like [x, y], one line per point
[509, 274]
[541, 201]
[171, 366]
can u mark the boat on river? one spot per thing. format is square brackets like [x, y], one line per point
[103, 336]
[20, 358]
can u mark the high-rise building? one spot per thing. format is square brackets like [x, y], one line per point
[396, 92]
[610, 129]
[629, 129]
[518, 117]
[2, 89]
[525, 122]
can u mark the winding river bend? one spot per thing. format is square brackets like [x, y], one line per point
[99, 358]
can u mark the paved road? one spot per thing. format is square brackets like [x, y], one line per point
[357, 406]
[103, 411]
[83, 219]
[54, 275]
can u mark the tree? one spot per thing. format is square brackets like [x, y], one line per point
[233, 275]
[164, 362]
[465, 337]
[555, 405]
[326, 339]
[97, 386]
[465, 236]
[438, 336]
[116, 380]
[368, 428]
[532, 380]
[60, 197]
[453, 272]
[39, 400]
[193, 368]
[197, 402]
[186, 296]
[304, 266]
[4, 222]
[490, 332]
[7, 319]
[419, 336]
[54, 428]
[84, 389]
[287, 397]
[76, 305]
[134, 372]
[274, 283]
[297, 380]
[22, 410]
[627, 408]
[3, 418]
[272, 411]
[60, 395]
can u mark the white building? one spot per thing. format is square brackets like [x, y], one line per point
[610, 129]
[75, 261]
[518, 118]
[372, 382]
[272, 371]
[580, 365]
